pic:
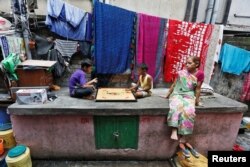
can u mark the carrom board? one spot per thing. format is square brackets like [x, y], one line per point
[114, 94]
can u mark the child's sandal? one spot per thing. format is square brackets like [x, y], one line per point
[194, 153]
[186, 153]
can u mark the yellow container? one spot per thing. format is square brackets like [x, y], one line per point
[8, 138]
[24, 160]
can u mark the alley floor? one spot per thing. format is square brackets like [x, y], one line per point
[39, 163]
[243, 140]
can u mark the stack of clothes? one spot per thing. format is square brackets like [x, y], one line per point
[206, 90]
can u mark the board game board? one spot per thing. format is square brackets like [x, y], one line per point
[114, 94]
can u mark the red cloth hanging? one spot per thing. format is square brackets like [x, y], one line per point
[185, 39]
[245, 95]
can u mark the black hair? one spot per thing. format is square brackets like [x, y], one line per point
[143, 66]
[86, 63]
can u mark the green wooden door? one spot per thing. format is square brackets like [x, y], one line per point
[116, 132]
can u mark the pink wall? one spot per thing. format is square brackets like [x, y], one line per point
[72, 137]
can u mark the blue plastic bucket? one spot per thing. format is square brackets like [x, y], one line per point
[4, 117]
[2, 160]
[3, 163]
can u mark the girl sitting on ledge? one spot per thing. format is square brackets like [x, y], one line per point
[183, 95]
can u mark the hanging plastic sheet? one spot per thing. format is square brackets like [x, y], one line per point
[66, 20]
[10, 64]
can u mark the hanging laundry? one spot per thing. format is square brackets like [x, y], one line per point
[59, 67]
[18, 8]
[185, 39]
[161, 48]
[133, 49]
[149, 27]
[219, 43]
[66, 20]
[73, 15]
[113, 30]
[16, 44]
[66, 48]
[216, 42]
[32, 4]
[54, 8]
[4, 46]
[85, 49]
[133, 39]
[89, 29]
[11, 44]
[245, 95]
[43, 45]
[148, 41]
[234, 60]
[93, 1]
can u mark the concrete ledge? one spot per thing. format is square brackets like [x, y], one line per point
[154, 105]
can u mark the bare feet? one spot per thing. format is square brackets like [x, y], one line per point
[185, 151]
[174, 135]
[182, 146]
[91, 97]
[189, 145]
[192, 150]
[182, 139]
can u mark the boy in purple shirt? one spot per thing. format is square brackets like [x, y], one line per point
[78, 85]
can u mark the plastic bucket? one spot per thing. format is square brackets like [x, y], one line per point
[1, 147]
[21, 160]
[4, 117]
[3, 163]
[6, 133]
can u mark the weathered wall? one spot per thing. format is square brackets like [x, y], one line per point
[42, 5]
[174, 9]
[162, 8]
[72, 136]
[239, 12]
[226, 84]
[240, 41]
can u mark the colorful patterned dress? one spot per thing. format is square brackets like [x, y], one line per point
[182, 103]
